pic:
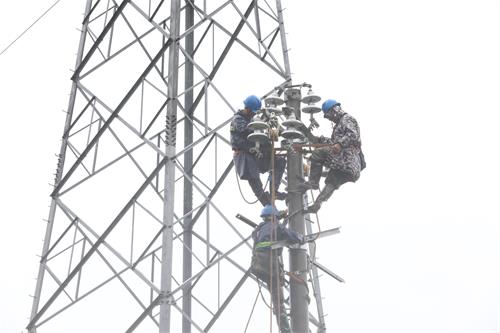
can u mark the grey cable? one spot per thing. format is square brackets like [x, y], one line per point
[28, 28]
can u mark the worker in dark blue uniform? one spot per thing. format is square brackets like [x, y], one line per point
[267, 264]
[249, 161]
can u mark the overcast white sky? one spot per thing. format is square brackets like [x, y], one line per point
[420, 241]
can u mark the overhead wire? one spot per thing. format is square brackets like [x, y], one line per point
[29, 27]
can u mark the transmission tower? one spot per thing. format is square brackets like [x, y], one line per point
[141, 234]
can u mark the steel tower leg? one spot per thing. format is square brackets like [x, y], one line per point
[170, 134]
[188, 167]
[60, 166]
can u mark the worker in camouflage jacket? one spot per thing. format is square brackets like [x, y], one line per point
[251, 162]
[267, 264]
[343, 155]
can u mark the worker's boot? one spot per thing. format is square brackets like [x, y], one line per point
[314, 177]
[325, 194]
[257, 189]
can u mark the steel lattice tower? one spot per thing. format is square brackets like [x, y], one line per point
[141, 234]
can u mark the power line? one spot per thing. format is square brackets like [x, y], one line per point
[28, 28]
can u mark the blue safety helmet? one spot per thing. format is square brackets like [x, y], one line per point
[269, 210]
[328, 104]
[253, 103]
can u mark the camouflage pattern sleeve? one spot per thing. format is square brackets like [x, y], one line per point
[349, 134]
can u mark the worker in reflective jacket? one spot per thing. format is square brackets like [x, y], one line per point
[266, 262]
[251, 162]
[343, 156]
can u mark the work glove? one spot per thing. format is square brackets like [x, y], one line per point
[313, 124]
[336, 148]
[273, 134]
[323, 139]
[254, 151]
[306, 169]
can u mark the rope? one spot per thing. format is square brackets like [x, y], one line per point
[28, 28]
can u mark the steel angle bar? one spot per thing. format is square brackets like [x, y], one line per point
[83, 128]
[143, 315]
[108, 246]
[107, 166]
[221, 58]
[145, 253]
[111, 118]
[208, 134]
[80, 298]
[257, 37]
[108, 26]
[156, 10]
[202, 38]
[284, 46]
[208, 200]
[257, 24]
[115, 273]
[204, 19]
[86, 18]
[136, 36]
[272, 33]
[62, 251]
[208, 81]
[272, 41]
[103, 13]
[78, 280]
[314, 321]
[46, 255]
[94, 38]
[211, 246]
[157, 300]
[199, 302]
[156, 88]
[154, 118]
[66, 133]
[111, 57]
[184, 315]
[205, 269]
[162, 30]
[97, 244]
[58, 282]
[271, 16]
[200, 155]
[249, 49]
[195, 119]
[84, 90]
[192, 285]
[307, 238]
[198, 179]
[127, 152]
[327, 271]
[214, 191]
[227, 301]
[315, 277]
[271, 9]
[77, 155]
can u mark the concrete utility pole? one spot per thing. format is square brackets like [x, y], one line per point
[298, 256]
[150, 106]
